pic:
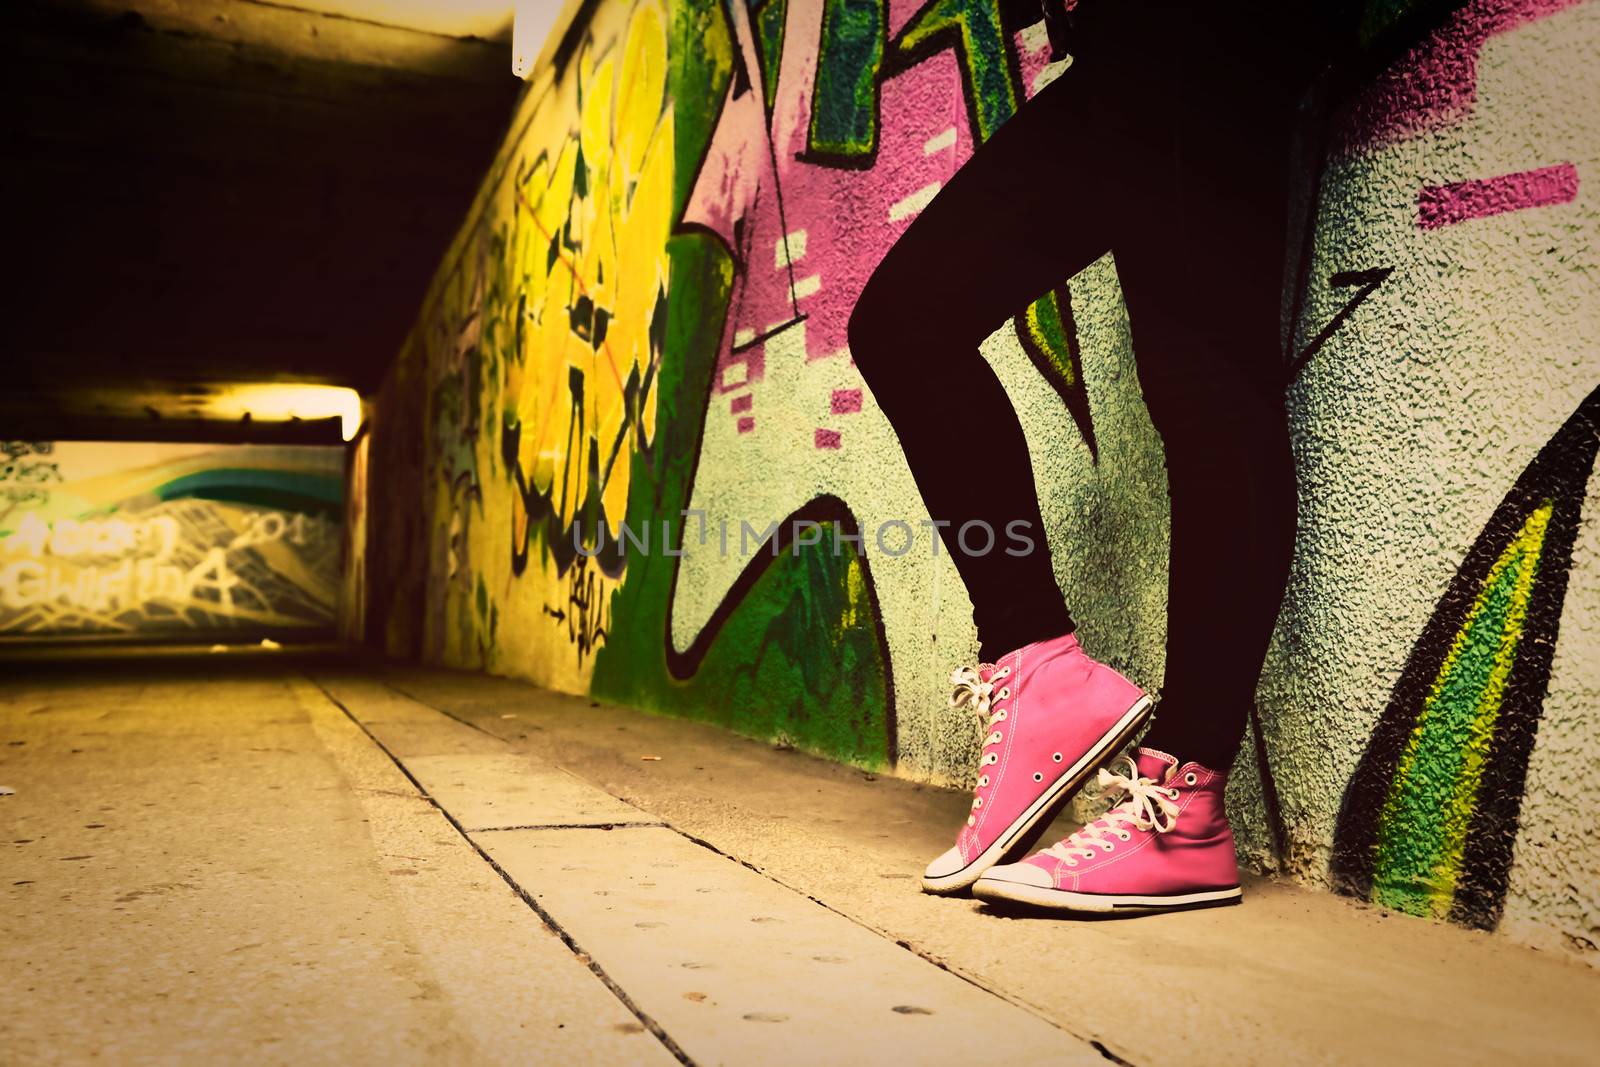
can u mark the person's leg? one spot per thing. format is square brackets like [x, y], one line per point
[1203, 273]
[1031, 208]
[1199, 252]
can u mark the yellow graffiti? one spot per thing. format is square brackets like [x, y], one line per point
[590, 225]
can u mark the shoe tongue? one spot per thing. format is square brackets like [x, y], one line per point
[1153, 763]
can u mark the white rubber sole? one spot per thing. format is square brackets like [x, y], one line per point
[1100, 903]
[1022, 833]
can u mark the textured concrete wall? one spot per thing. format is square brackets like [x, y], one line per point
[1445, 446]
[643, 321]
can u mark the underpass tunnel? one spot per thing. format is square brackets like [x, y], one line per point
[528, 528]
[224, 215]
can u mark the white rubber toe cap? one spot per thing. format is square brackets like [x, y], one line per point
[1021, 874]
[945, 865]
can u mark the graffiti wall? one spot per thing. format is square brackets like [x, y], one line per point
[120, 539]
[353, 596]
[625, 451]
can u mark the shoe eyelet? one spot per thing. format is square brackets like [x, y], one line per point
[993, 757]
[1005, 693]
[1038, 777]
[1000, 715]
[1072, 863]
[1125, 835]
[1056, 757]
[1190, 779]
[972, 820]
[1109, 846]
[978, 803]
[1172, 794]
[983, 781]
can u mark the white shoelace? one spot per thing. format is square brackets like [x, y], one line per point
[1146, 805]
[971, 691]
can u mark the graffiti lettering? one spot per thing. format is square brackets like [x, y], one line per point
[22, 482]
[136, 552]
[155, 537]
[114, 588]
[584, 612]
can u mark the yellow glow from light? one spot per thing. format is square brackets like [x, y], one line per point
[280, 403]
[531, 24]
[454, 18]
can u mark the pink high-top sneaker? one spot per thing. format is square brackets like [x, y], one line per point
[1053, 715]
[1165, 845]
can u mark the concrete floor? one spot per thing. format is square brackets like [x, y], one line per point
[278, 858]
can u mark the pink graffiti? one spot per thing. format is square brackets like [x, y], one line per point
[1033, 56]
[1436, 83]
[806, 235]
[1443, 205]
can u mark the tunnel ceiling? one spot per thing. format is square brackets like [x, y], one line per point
[225, 191]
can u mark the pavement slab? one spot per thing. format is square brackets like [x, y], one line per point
[725, 963]
[505, 792]
[216, 865]
[477, 777]
[741, 970]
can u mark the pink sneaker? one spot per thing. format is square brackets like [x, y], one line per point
[1053, 716]
[1165, 846]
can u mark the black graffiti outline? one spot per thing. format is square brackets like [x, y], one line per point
[1368, 282]
[683, 666]
[1560, 473]
[584, 612]
[1075, 394]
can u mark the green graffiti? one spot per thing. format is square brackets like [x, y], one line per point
[975, 30]
[699, 60]
[1431, 813]
[852, 61]
[798, 655]
[1049, 336]
[1045, 330]
[769, 17]
[292, 491]
[844, 99]
[1422, 831]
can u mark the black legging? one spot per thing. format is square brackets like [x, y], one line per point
[1166, 143]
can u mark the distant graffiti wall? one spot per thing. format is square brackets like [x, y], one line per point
[353, 596]
[625, 451]
[125, 539]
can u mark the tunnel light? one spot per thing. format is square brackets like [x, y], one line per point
[280, 403]
[530, 25]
